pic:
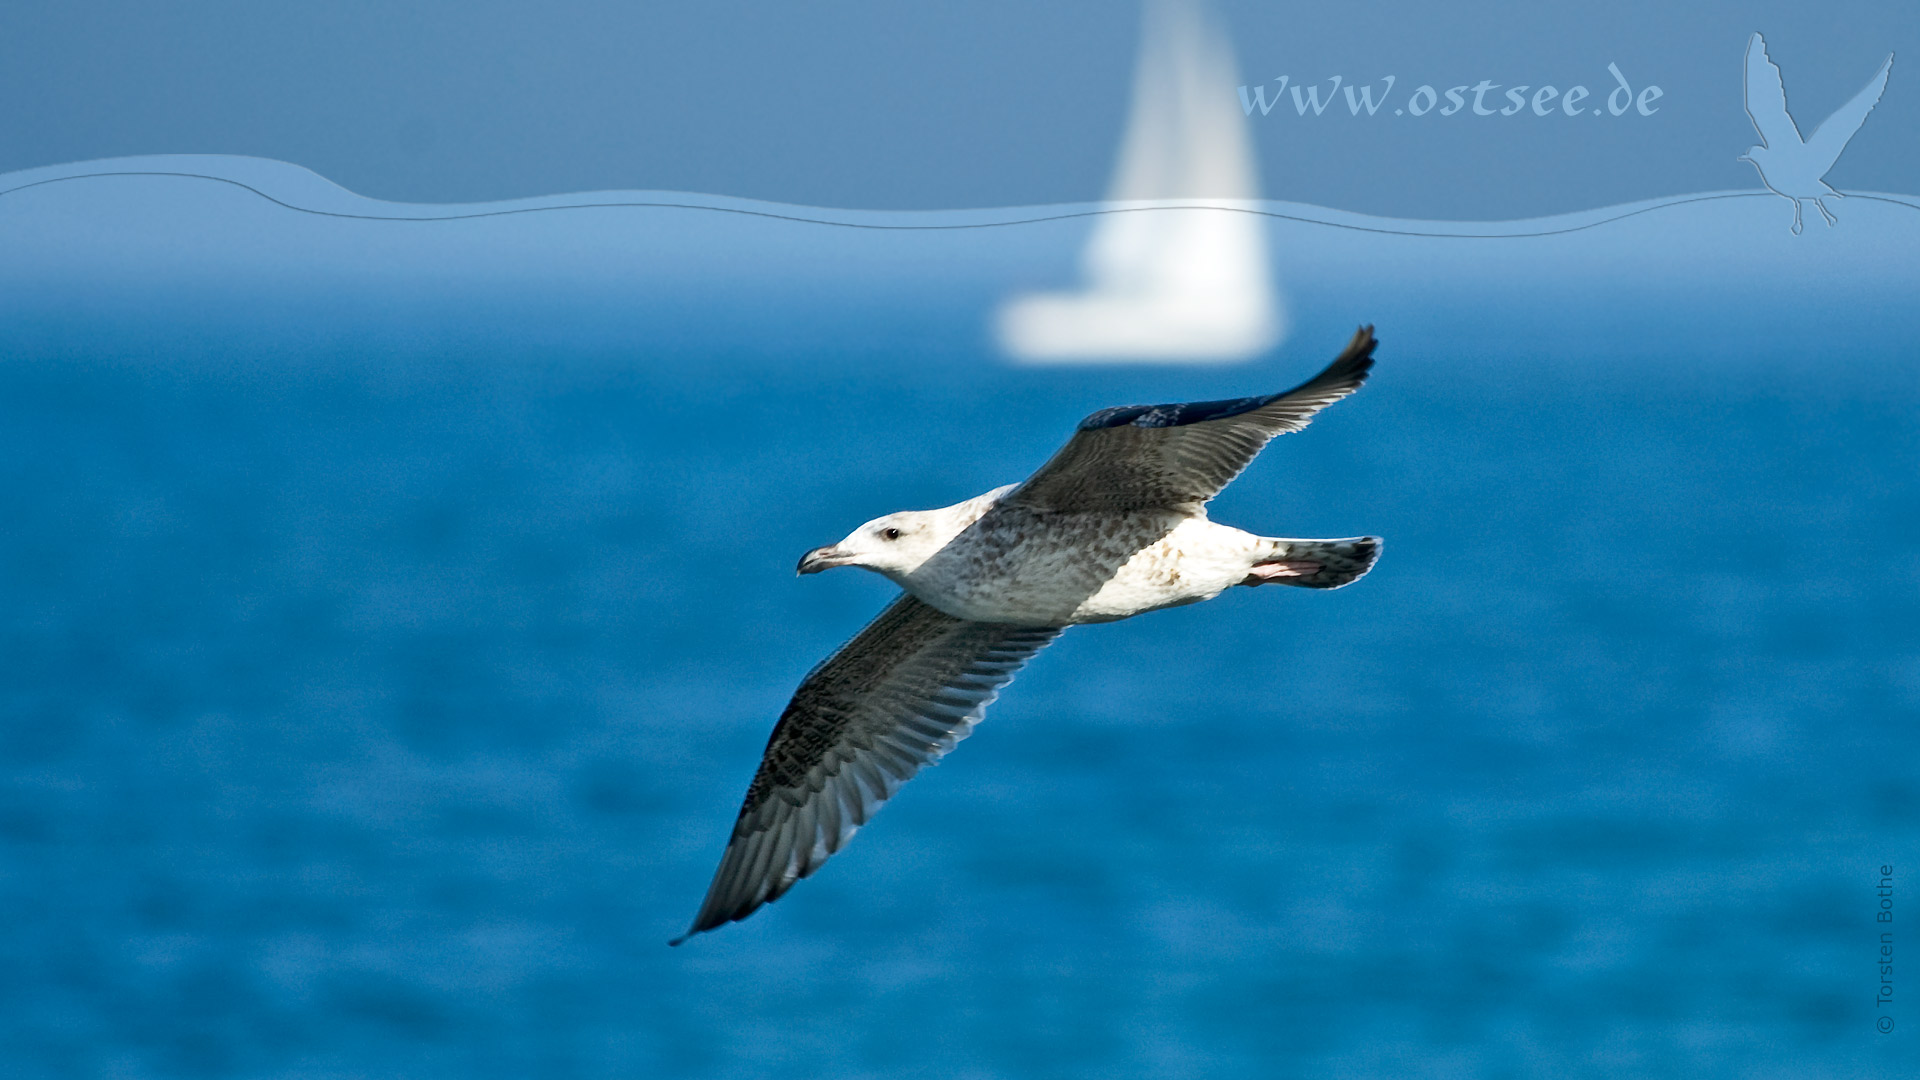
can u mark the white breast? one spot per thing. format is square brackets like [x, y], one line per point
[1193, 563]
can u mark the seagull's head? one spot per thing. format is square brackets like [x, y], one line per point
[895, 545]
[899, 544]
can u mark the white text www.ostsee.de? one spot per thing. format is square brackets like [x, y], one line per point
[1506, 100]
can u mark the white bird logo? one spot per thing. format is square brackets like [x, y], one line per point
[1790, 166]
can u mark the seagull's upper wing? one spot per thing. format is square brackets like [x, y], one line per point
[1139, 457]
[1766, 99]
[895, 698]
[1833, 133]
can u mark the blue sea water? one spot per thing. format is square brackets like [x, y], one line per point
[382, 673]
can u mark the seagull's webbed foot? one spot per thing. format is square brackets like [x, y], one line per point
[1826, 213]
[1262, 573]
[1797, 223]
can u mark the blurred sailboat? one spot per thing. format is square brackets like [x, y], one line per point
[1177, 271]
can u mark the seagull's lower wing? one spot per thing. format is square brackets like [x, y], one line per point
[1139, 457]
[892, 700]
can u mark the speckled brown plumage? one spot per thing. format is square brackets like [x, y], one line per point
[1113, 525]
[886, 704]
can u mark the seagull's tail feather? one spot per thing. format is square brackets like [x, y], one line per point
[1316, 564]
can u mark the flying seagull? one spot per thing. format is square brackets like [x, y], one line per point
[1114, 525]
[1790, 166]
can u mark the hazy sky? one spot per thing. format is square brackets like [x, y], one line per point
[862, 103]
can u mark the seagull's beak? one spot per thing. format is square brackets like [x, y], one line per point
[824, 558]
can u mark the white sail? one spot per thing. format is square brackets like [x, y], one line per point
[1178, 271]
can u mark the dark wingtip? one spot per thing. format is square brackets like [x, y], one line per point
[1359, 351]
[1364, 336]
[1353, 365]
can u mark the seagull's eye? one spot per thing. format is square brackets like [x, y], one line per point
[890, 533]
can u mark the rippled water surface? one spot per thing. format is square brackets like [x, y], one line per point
[378, 705]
